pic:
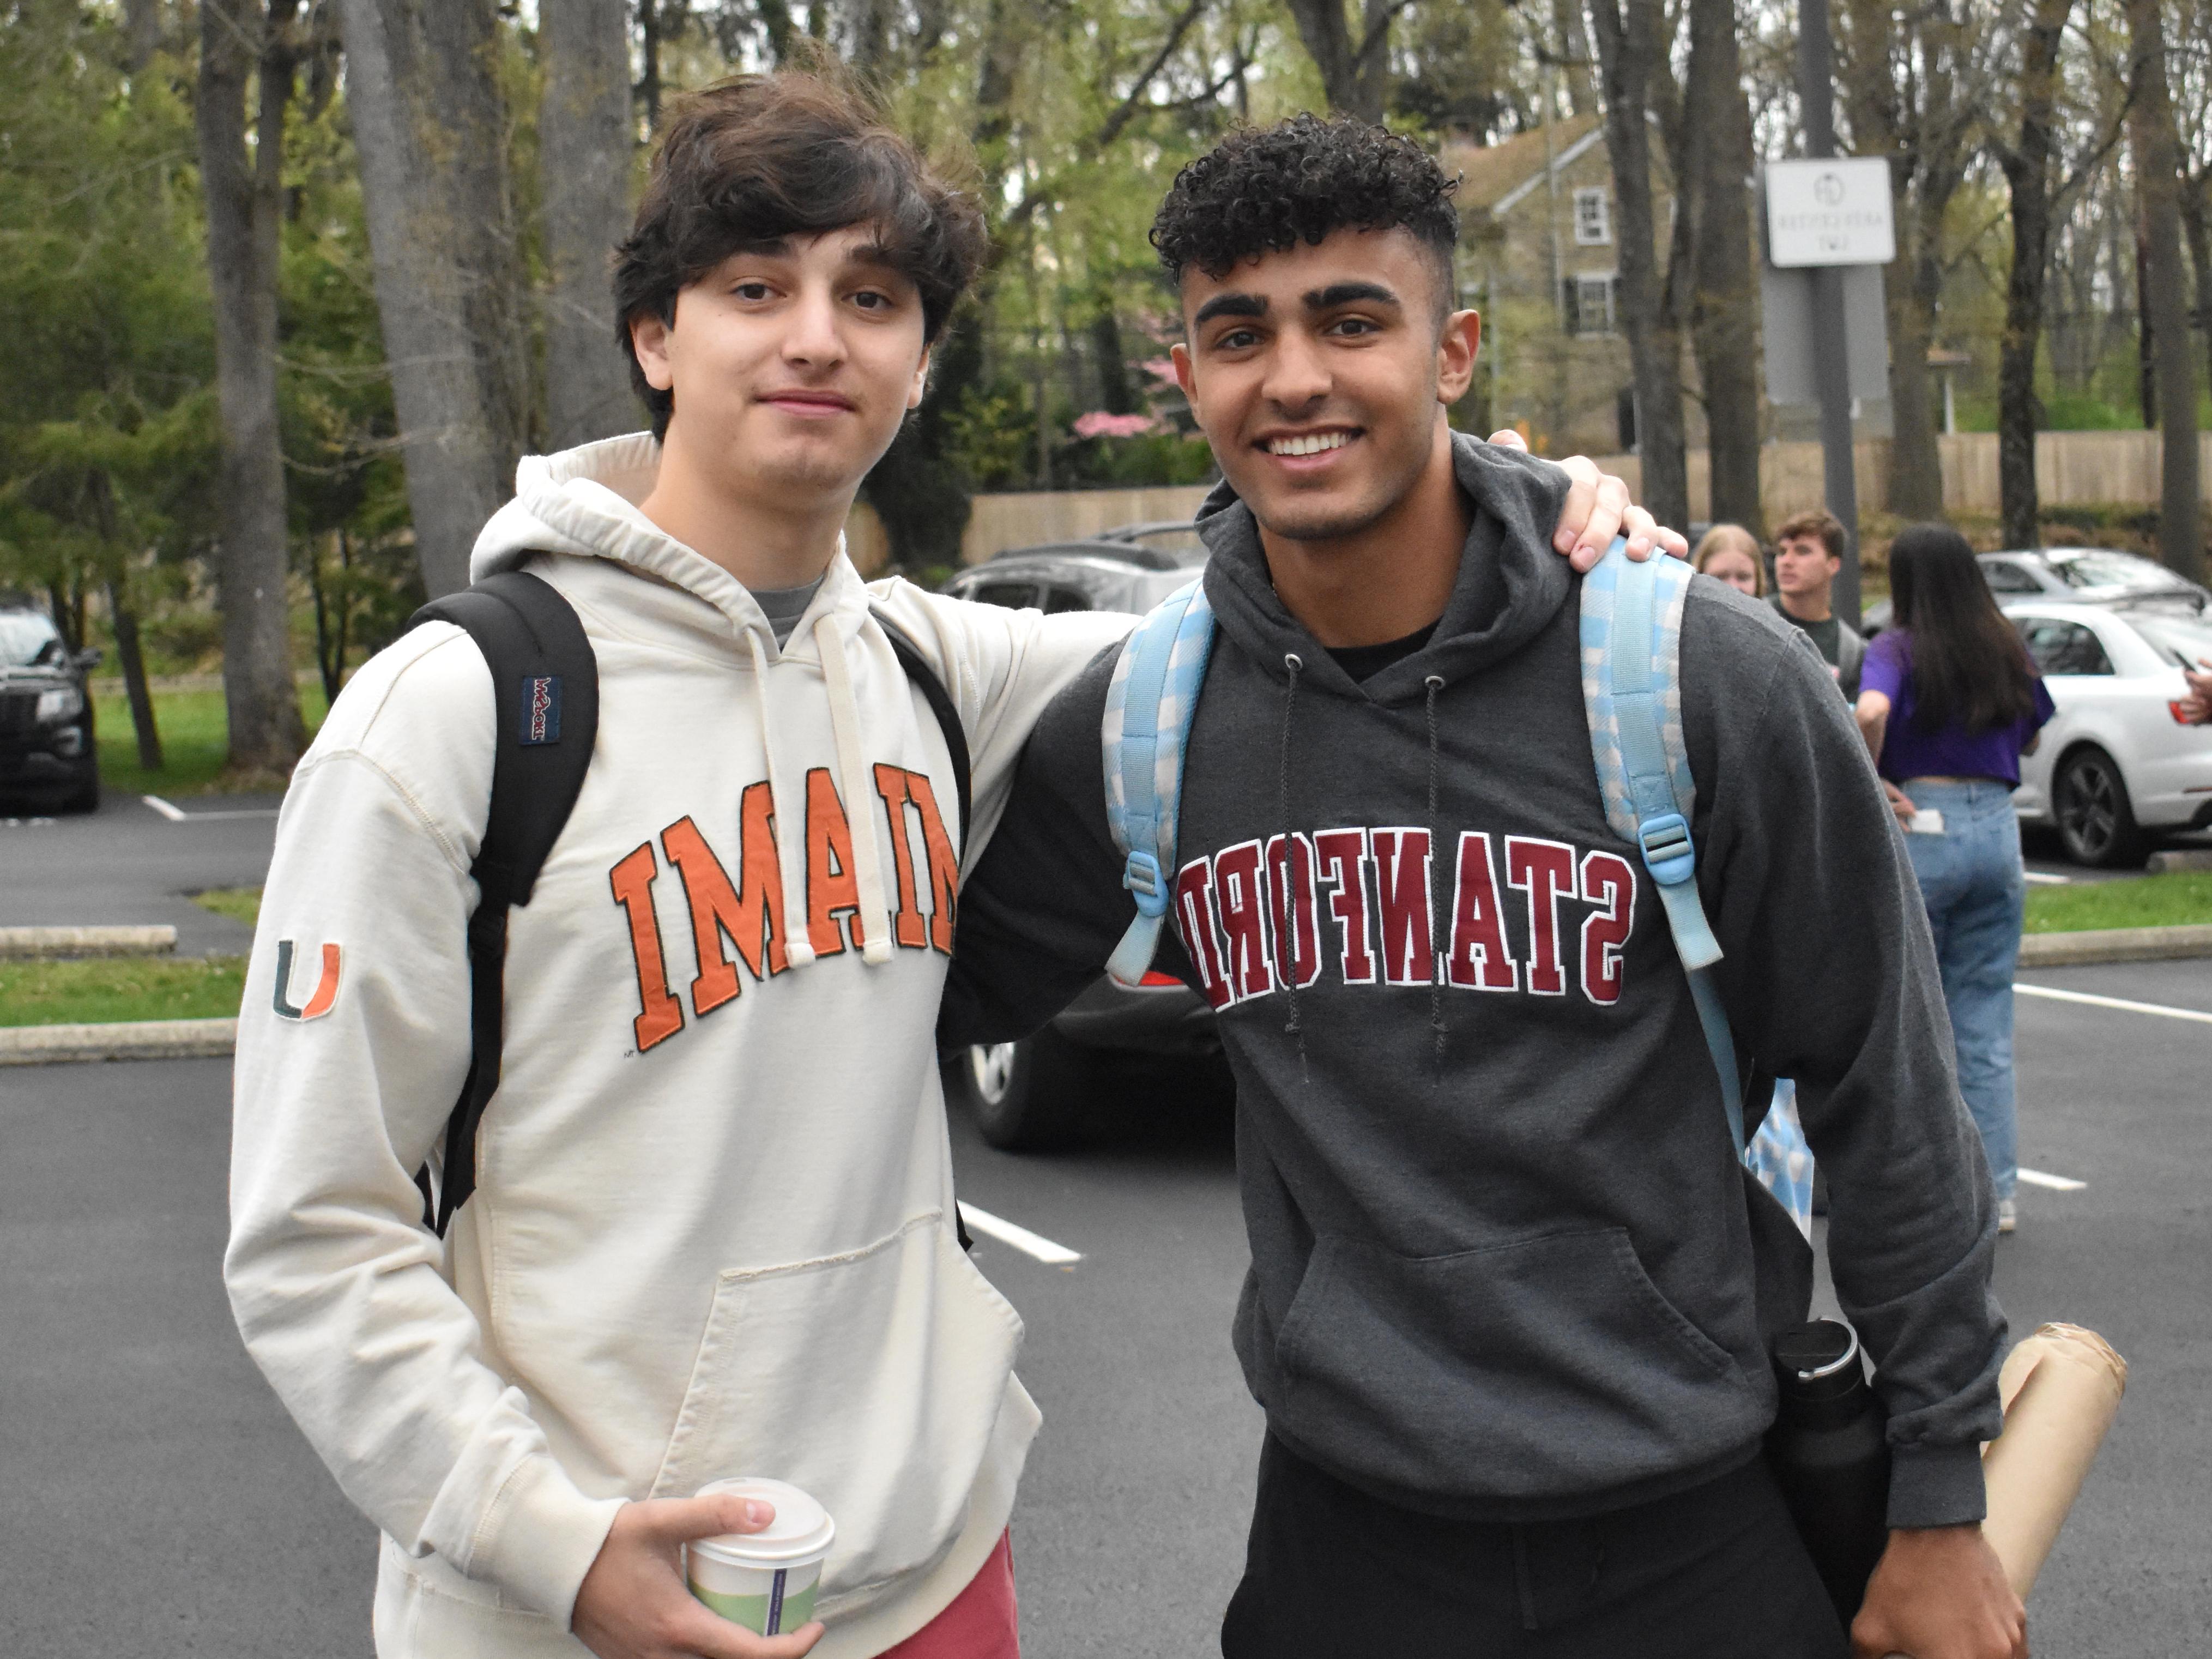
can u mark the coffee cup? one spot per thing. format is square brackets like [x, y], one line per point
[765, 1580]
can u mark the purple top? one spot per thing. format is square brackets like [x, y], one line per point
[1948, 751]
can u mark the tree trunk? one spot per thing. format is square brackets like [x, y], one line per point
[1723, 302]
[584, 143]
[2158, 182]
[1354, 69]
[142, 33]
[430, 129]
[245, 202]
[2146, 330]
[2027, 167]
[1574, 49]
[133, 661]
[1629, 48]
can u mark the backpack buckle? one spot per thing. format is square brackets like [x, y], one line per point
[1142, 877]
[1668, 852]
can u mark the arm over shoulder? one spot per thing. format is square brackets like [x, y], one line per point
[1830, 978]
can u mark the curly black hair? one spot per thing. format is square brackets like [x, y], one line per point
[1264, 190]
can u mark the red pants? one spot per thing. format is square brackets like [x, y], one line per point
[980, 1624]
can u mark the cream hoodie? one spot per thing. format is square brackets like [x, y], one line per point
[712, 1233]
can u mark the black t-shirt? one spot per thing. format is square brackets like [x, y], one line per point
[1363, 662]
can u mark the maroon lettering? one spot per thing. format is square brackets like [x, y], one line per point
[1290, 912]
[1342, 857]
[1402, 895]
[1193, 896]
[1238, 898]
[1608, 881]
[1545, 871]
[1479, 959]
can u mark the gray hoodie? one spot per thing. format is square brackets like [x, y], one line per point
[1502, 1255]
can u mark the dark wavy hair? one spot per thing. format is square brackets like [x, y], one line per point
[756, 158]
[1969, 667]
[1264, 190]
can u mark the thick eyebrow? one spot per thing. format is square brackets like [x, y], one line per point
[1345, 293]
[1229, 305]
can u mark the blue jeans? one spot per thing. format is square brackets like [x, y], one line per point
[1971, 882]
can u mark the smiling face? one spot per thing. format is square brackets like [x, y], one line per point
[792, 366]
[1319, 377]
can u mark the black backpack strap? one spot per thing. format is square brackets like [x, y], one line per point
[940, 704]
[956, 740]
[545, 690]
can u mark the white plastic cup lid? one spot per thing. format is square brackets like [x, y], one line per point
[801, 1531]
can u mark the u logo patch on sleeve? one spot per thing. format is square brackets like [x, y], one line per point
[326, 988]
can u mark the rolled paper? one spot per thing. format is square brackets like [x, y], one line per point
[2061, 1389]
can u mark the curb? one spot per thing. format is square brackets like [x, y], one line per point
[51, 943]
[2115, 944]
[2177, 858]
[145, 1039]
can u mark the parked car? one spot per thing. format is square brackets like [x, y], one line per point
[2116, 764]
[1027, 1094]
[46, 751]
[2081, 575]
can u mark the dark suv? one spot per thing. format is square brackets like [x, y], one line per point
[45, 715]
[1027, 1094]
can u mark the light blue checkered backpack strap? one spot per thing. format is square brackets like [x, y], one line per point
[1632, 640]
[1147, 726]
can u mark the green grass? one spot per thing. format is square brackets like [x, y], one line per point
[102, 989]
[239, 903]
[195, 741]
[2152, 902]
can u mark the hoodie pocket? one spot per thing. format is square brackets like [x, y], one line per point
[1542, 1368]
[870, 1380]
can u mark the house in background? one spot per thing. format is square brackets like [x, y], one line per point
[1540, 258]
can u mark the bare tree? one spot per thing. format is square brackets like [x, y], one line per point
[1352, 53]
[1632, 36]
[2027, 165]
[430, 127]
[1906, 103]
[2158, 183]
[243, 41]
[1723, 297]
[584, 143]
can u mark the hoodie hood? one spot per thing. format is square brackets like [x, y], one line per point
[1510, 586]
[583, 503]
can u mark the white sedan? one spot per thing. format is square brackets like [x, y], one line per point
[2117, 762]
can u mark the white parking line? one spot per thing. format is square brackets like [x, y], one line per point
[1030, 1244]
[176, 815]
[2047, 880]
[2056, 1183]
[163, 808]
[2121, 1003]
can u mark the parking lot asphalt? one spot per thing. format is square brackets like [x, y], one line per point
[161, 1500]
[133, 863]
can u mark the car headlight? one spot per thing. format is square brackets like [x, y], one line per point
[62, 704]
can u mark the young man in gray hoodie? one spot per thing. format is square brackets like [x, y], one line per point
[1504, 1312]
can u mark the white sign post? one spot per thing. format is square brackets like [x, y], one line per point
[1833, 211]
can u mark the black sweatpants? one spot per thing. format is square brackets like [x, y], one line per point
[1716, 1572]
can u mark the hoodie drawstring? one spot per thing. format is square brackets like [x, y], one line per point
[790, 820]
[1286, 921]
[1434, 684]
[853, 770]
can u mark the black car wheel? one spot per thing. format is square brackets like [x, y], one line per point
[2095, 819]
[1024, 1097]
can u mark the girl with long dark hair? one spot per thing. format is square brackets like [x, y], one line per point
[1948, 702]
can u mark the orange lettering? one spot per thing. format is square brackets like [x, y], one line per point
[907, 926]
[943, 867]
[831, 886]
[660, 1016]
[752, 918]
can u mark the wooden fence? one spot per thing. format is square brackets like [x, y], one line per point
[2071, 468]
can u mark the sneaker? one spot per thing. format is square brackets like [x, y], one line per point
[2007, 1216]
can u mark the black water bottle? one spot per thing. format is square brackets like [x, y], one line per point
[1831, 1455]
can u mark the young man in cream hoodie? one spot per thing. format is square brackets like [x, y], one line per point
[713, 1229]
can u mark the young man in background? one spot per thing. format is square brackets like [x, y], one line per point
[713, 1228]
[1808, 551]
[1501, 1314]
